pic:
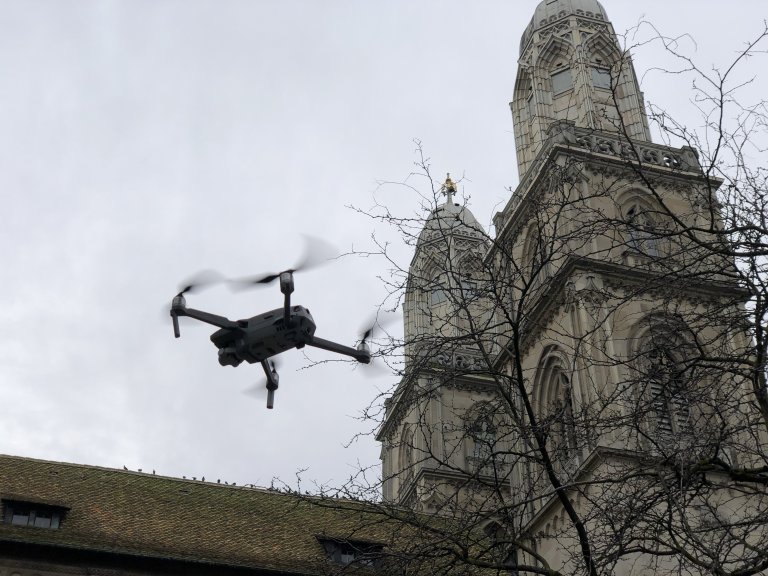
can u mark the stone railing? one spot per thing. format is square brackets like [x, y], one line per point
[637, 153]
[685, 158]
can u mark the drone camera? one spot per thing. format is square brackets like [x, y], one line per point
[228, 357]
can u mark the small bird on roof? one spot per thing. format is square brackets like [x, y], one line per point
[125, 467]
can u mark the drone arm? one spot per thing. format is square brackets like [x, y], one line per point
[361, 355]
[206, 317]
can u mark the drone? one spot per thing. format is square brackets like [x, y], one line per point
[257, 339]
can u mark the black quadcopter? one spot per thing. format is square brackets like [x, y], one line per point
[257, 339]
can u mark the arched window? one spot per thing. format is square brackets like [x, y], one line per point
[534, 254]
[642, 230]
[562, 81]
[406, 456]
[670, 380]
[668, 386]
[482, 439]
[556, 407]
[483, 434]
[438, 290]
[564, 427]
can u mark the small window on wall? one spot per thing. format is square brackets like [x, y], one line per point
[601, 78]
[562, 81]
[437, 296]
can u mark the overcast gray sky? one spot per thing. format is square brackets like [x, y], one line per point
[144, 140]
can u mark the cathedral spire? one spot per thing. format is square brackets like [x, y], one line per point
[448, 188]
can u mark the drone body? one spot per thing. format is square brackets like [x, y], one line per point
[264, 336]
[261, 337]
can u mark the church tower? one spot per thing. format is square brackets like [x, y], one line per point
[582, 342]
[441, 430]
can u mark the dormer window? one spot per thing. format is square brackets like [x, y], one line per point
[20, 513]
[562, 81]
[347, 552]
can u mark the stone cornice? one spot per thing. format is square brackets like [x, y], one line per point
[603, 149]
[553, 296]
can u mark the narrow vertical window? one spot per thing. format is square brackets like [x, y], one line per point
[669, 399]
[531, 107]
[562, 81]
[484, 437]
[643, 234]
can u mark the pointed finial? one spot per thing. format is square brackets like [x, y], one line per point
[449, 189]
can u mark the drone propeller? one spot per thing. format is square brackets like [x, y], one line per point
[367, 333]
[375, 325]
[202, 279]
[316, 252]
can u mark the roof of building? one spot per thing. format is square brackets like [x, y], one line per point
[549, 11]
[554, 9]
[450, 219]
[132, 513]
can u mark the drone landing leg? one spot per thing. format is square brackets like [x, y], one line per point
[272, 382]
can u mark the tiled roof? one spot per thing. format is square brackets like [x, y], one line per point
[154, 516]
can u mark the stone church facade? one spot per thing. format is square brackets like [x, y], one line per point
[577, 344]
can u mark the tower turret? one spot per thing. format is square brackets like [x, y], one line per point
[447, 255]
[572, 67]
[426, 451]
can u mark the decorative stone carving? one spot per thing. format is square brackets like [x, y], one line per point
[591, 25]
[460, 361]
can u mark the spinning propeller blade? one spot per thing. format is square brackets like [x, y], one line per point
[316, 252]
[202, 279]
[373, 327]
